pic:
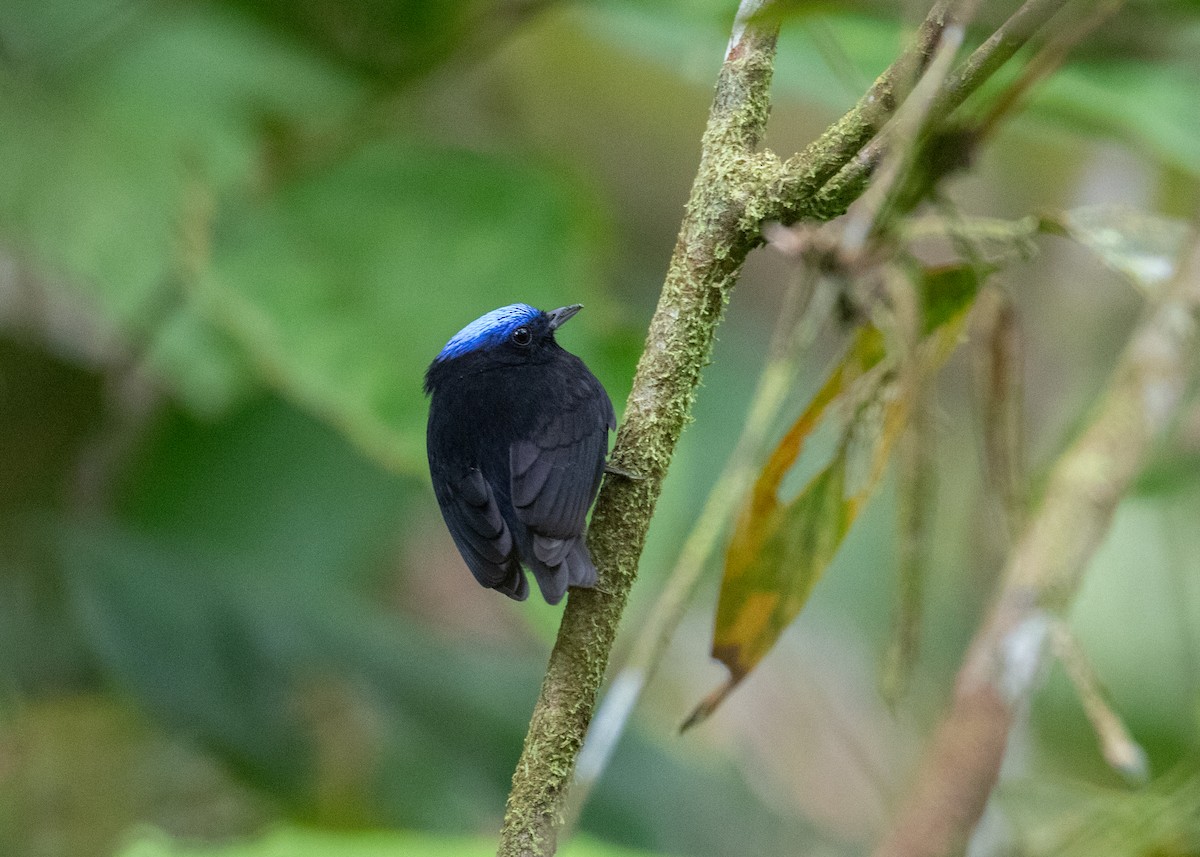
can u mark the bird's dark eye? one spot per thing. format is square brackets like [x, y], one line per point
[521, 336]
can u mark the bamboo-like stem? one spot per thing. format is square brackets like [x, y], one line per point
[1044, 572]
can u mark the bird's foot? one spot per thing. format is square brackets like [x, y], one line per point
[609, 467]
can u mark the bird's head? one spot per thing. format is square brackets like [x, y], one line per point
[513, 334]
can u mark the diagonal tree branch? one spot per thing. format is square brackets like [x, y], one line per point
[713, 242]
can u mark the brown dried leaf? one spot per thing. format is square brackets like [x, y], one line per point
[779, 550]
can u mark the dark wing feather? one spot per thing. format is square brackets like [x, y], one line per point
[528, 480]
[483, 538]
[556, 471]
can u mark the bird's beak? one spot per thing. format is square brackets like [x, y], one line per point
[562, 315]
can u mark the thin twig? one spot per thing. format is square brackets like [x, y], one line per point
[836, 192]
[804, 174]
[901, 135]
[1048, 59]
[1119, 749]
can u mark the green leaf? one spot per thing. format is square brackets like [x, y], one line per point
[779, 549]
[1145, 247]
[800, 541]
[205, 366]
[946, 292]
[344, 286]
[1150, 105]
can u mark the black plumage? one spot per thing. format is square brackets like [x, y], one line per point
[517, 437]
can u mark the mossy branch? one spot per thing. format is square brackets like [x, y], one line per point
[737, 188]
[713, 242]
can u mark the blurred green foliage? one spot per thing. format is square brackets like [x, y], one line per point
[323, 287]
[312, 843]
[232, 234]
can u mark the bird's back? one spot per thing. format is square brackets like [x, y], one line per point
[534, 436]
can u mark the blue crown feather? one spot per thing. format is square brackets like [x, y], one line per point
[489, 329]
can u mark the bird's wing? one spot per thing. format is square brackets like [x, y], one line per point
[556, 472]
[479, 531]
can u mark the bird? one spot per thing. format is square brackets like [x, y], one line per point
[517, 439]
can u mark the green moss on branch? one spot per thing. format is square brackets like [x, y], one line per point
[714, 240]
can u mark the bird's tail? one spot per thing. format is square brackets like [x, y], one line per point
[581, 569]
[574, 568]
[514, 585]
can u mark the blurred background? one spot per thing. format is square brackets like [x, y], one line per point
[233, 234]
